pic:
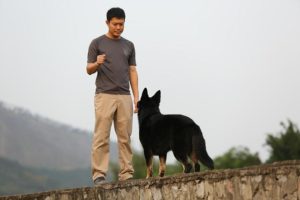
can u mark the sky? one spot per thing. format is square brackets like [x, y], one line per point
[232, 66]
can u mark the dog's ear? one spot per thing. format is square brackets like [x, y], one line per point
[145, 94]
[156, 97]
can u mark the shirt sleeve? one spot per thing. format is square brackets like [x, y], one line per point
[131, 60]
[93, 52]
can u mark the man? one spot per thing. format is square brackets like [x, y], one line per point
[113, 58]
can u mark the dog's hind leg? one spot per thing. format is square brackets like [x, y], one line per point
[149, 160]
[197, 167]
[195, 160]
[187, 167]
[162, 164]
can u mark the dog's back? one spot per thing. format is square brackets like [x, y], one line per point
[162, 132]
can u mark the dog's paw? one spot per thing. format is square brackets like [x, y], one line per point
[162, 174]
[188, 168]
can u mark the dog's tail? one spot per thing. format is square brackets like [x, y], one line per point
[200, 149]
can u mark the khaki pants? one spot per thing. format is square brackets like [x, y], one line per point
[109, 108]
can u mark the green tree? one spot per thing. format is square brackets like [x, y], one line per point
[286, 144]
[236, 157]
[139, 165]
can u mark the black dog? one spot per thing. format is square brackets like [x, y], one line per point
[161, 133]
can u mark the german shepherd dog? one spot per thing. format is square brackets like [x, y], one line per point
[160, 133]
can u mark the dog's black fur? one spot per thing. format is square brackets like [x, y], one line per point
[161, 133]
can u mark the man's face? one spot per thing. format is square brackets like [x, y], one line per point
[115, 27]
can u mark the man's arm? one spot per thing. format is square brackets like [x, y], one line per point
[133, 77]
[93, 67]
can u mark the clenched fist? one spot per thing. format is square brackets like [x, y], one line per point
[100, 59]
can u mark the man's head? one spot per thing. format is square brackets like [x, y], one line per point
[115, 12]
[115, 22]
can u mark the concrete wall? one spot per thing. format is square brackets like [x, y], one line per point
[276, 181]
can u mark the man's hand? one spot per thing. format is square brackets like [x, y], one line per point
[100, 59]
[135, 101]
[93, 67]
[133, 78]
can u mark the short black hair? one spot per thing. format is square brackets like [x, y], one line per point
[115, 12]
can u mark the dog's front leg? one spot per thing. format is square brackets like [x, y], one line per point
[149, 160]
[162, 165]
[149, 167]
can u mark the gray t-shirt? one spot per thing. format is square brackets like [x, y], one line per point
[113, 74]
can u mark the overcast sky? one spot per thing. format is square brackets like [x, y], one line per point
[233, 66]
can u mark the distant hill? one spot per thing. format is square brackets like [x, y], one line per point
[36, 141]
[17, 179]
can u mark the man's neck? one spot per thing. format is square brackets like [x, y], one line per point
[112, 37]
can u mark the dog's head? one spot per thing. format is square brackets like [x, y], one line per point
[149, 102]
